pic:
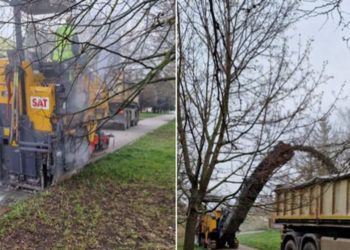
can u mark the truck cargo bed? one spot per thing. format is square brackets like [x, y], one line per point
[323, 200]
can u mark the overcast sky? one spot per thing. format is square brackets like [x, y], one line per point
[328, 45]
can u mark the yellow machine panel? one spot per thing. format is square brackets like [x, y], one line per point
[41, 106]
[30, 78]
[209, 221]
[91, 128]
[3, 87]
[6, 131]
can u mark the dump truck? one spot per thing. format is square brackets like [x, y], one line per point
[50, 112]
[315, 215]
[124, 107]
[209, 229]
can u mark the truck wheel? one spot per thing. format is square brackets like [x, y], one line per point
[290, 245]
[309, 246]
[124, 125]
[128, 120]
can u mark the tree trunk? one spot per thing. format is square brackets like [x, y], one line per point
[253, 185]
[190, 230]
[280, 155]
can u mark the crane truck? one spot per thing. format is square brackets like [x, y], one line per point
[315, 215]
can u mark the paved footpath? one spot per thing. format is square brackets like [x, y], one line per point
[242, 247]
[121, 138]
[118, 140]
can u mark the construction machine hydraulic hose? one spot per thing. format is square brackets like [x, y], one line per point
[14, 108]
[9, 79]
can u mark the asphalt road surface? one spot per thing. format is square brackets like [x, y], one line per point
[118, 140]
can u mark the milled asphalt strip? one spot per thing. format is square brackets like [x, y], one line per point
[119, 140]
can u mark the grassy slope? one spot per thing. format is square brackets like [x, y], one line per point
[149, 115]
[269, 240]
[123, 201]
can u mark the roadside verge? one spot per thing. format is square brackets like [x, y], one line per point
[124, 200]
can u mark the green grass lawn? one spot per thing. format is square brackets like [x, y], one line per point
[269, 240]
[123, 201]
[150, 159]
[150, 115]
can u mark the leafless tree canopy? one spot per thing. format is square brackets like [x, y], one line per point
[133, 38]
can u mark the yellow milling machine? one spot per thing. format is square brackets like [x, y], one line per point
[49, 120]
